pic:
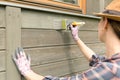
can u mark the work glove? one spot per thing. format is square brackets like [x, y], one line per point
[22, 61]
[74, 31]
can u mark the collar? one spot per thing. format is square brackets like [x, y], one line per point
[113, 57]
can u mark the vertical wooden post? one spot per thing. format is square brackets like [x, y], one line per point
[13, 40]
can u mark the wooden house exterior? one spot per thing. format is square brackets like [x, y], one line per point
[35, 25]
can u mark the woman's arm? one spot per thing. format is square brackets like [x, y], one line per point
[33, 76]
[87, 52]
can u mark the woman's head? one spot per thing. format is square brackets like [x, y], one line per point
[111, 18]
[106, 27]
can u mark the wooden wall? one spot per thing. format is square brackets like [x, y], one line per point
[2, 44]
[53, 51]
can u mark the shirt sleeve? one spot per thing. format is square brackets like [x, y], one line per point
[96, 59]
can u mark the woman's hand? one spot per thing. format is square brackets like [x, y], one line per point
[22, 61]
[74, 30]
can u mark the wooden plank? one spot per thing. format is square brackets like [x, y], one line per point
[38, 19]
[48, 55]
[90, 24]
[46, 20]
[2, 16]
[2, 38]
[62, 68]
[2, 61]
[59, 68]
[38, 37]
[2, 76]
[79, 65]
[60, 61]
[13, 40]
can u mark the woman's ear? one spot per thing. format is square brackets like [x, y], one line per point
[105, 23]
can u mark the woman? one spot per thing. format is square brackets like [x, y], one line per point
[103, 68]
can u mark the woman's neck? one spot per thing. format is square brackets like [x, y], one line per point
[112, 46]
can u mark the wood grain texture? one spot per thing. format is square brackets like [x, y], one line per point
[47, 20]
[93, 6]
[13, 40]
[60, 60]
[2, 38]
[58, 53]
[2, 16]
[62, 68]
[2, 61]
[2, 76]
[38, 37]
[52, 51]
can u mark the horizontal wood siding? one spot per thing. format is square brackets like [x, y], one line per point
[2, 44]
[53, 51]
[2, 38]
[2, 76]
[62, 68]
[58, 53]
[38, 37]
[2, 61]
[60, 60]
[45, 20]
[2, 65]
[2, 16]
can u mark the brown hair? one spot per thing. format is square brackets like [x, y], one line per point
[116, 26]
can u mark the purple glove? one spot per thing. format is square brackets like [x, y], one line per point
[22, 61]
[74, 31]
